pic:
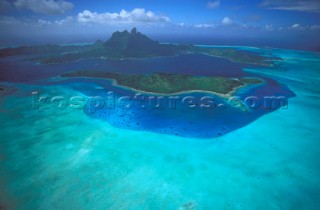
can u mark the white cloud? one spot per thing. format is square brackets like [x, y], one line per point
[50, 7]
[64, 21]
[295, 25]
[9, 21]
[67, 20]
[204, 25]
[299, 27]
[302, 6]
[135, 16]
[213, 4]
[269, 28]
[43, 22]
[226, 21]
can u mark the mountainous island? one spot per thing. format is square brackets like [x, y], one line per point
[135, 45]
[128, 45]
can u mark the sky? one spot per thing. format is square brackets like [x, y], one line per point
[294, 22]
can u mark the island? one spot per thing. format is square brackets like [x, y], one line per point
[130, 45]
[165, 83]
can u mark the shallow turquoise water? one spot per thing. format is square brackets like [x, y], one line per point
[67, 160]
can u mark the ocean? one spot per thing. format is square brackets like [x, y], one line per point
[135, 158]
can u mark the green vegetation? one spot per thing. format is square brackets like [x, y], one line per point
[164, 83]
[239, 56]
[124, 45]
[44, 49]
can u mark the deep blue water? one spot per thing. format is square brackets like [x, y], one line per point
[183, 120]
[13, 69]
[217, 120]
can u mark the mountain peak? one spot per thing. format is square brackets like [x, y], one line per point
[134, 30]
[133, 40]
[135, 44]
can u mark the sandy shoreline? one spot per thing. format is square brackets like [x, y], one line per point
[222, 95]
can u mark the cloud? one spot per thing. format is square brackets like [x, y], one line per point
[269, 27]
[49, 7]
[213, 4]
[292, 5]
[299, 27]
[295, 25]
[226, 21]
[135, 16]
[44, 22]
[205, 25]
[61, 22]
[9, 21]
